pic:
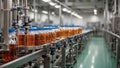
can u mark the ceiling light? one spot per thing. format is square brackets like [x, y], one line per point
[76, 15]
[73, 13]
[35, 10]
[64, 9]
[46, 0]
[53, 13]
[52, 3]
[57, 6]
[68, 11]
[95, 11]
[45, 12]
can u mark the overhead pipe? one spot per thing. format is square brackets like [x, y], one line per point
[63, 4]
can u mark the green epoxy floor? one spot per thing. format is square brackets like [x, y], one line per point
[95, 55]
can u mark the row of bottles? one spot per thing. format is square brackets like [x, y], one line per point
[36, 37]
[68, 32]
[41, 36]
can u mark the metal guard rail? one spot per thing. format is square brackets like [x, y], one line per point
[112, 33]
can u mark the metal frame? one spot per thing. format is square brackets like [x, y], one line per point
[117, 44]
[23, 60]
[34, 55]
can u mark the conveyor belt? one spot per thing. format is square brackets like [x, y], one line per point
[95, 55]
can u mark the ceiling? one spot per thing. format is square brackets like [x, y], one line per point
[80, 6]
[85, 6]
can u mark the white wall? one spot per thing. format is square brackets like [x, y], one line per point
[41, 18]
[93, 18]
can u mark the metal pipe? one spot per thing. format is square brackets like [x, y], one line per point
[118, 8]
[34, 10]
[48, 14]
[10, 16]
[1, 14]
[22, 3]
[63, 65]
[26, 11]
[47, 62]
[62, 4]
[71, 18]
[106, 13]
[18, 2]
[6, 20]
[15, 11]
[60, 16]
[113, 34]
[115, 7]
[23, 60]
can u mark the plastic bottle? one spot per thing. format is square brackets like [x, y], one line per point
[36, 37]
[11, 53]
[31, 38]
[42, 36]
[21, 38]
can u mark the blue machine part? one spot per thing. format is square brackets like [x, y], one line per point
[52, 49]
[13, 9]
[58, 46]
[11, 30]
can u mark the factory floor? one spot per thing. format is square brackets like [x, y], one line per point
[95, 55]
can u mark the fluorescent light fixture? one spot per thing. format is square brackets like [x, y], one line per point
[35, 10]
[73, 13]
[45, 12]
[80, 17]
[57, 6]
[46, 0]
[76, 15]
[53, 13]
[52, 3]
[95, 11]
[68, 11]
[64, 9]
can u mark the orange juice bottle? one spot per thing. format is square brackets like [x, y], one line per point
[21, 38]
[42, 36]
[31, 38]
[36, 37]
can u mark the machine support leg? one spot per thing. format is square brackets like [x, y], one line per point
[63, 57]
[46, 62]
